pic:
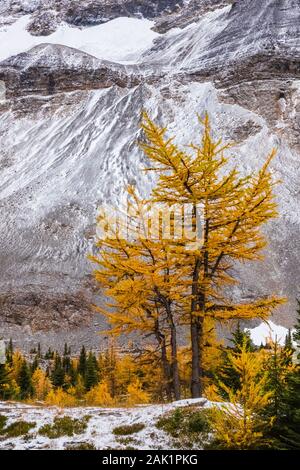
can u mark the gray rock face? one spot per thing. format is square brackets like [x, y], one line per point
[261, 40]
[43, 23]
[47, 14]
[48, 69]
[42, 313]
[95, 12]
[192, 11]
[88, 12]
[68, 131]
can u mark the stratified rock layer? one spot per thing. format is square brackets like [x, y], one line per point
[48, 69]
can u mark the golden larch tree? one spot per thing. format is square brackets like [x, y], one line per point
[233, 210]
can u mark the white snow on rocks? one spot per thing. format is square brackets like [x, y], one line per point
[268, 331]
[120, 40]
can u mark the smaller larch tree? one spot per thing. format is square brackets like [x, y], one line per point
[241, 424]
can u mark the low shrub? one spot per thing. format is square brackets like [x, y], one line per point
[64, 426]
[80, 446]
[3, 420]
[187, 426]
[18, 428]
[128, 429]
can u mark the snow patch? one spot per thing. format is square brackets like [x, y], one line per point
[267, 331]
[120, 40]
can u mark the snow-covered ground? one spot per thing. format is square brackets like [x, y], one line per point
[120, 40]
[100, 426]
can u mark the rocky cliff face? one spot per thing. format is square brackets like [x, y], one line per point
[69, 123]
[49, 69]
[87, 12]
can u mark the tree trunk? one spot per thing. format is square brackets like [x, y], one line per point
[161, 339]
[196, 334]
[166, 368]
[175, 368]
[198, 305]
[174, 355]
[173, 335]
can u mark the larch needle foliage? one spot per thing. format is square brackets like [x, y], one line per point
[241, 423]
[157, 285]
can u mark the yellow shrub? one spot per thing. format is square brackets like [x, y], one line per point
[17, 360]
[41, 384]
[100, 395]
[60, 398]
[136, 395]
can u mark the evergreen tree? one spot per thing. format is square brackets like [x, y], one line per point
[39, 353]
[287, 351]
[289, 422]
[4, 382]
[95, 362]
[10, 352]
[72, 374]
[296, 334]
[8, 386]
[58, 373]
[288, 343]
[34, 364]
[66, 362]
[82, 362]
[24, 381]
[110, 366]
[241, 338]
[67, 350]
[277, 365]
[228, 373]
[287, 428]
[286, 432]
[49, 354]
[91, 374]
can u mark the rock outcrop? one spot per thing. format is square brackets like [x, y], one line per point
[48, 14]
[41, 312]
[51, 68]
